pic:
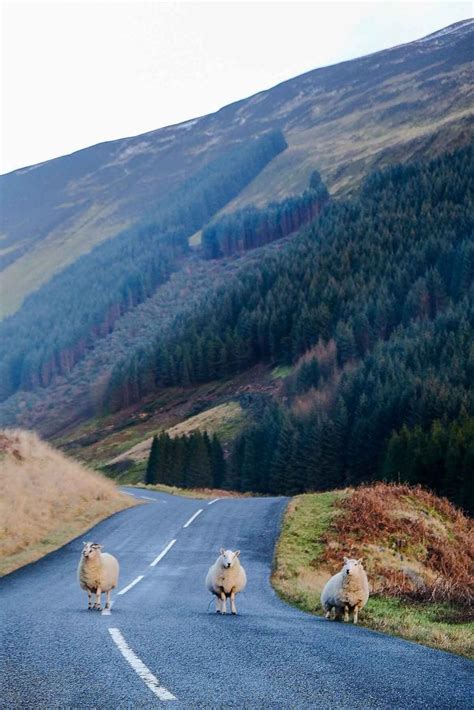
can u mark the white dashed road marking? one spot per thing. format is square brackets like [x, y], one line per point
[132, 584]
[149, 498]
[163, 553]
[186, 525]
[129, 494]
[140, 668]
[213, 501]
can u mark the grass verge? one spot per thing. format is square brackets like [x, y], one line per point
[302, 568]
[203, 493]
[48, 499]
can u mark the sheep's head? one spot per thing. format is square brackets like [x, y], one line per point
[228, 557]
[351, 566]
[91, 550]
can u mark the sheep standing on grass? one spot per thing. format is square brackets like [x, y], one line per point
[225, 579]
[97, 573]
[346, 591]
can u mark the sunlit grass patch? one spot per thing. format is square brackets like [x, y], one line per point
[318, 530]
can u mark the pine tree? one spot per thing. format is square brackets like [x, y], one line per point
[151, 474]
[218, 463]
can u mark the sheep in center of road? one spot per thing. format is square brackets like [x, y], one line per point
[97, 573]
[348, 590]
[226, 577]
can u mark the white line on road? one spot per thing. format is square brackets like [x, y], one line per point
[162, 553]
[132, 584]
[186, 525]
[149, 498]
[129, 494]
[140, 668]
[213, 501]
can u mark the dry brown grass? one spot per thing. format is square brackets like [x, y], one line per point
[47, 498]
[416, 545]
[417, 551]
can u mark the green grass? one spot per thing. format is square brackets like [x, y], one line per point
[201, 493]
[133, 475]
[195, 239]
[280, 372]
[300, 574]
[225, 420]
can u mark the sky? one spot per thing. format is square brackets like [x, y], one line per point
[76, 73]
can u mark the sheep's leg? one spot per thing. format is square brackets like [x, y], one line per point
[98, 604]
[232, 602]
[327, 615]
[107, 600]
[346, 613]
[89, 597]
[218, 605]
[223, 603]
[356, 614]
[333, 613]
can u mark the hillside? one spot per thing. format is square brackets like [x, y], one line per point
[371, 314]
[416, 549]
[374, 355]
[48, 499]
[333, 317]
[407, 102]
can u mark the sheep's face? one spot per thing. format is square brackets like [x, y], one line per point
[351, 566]
[91, 550]
[228, 557]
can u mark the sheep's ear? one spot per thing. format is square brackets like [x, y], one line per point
[360, 560]
[346, 559]
[236, 553]
[221, 551]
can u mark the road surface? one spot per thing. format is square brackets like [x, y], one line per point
[161, 644]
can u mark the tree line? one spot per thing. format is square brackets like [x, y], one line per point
[61, 321]
[250, 227]
[190, 461]
[400, 251]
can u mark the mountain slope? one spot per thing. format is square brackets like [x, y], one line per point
[412, 100]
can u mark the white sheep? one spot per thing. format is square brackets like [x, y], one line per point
[226, 577]
[97, 573]
[348, 590]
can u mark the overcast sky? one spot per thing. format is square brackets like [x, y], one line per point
[78, 73]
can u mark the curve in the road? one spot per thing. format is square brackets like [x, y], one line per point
[160, 643]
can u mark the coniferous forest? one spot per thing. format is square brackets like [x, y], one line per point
[54, 329]
[194, 461]
[373, 309]
[251, 227]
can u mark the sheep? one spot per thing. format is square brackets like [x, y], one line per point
[97, 573]
[226, 577]
[348, 590]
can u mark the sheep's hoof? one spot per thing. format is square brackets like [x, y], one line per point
[234, 613]
[327, 615]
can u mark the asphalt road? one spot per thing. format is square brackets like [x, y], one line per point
[160, 640]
